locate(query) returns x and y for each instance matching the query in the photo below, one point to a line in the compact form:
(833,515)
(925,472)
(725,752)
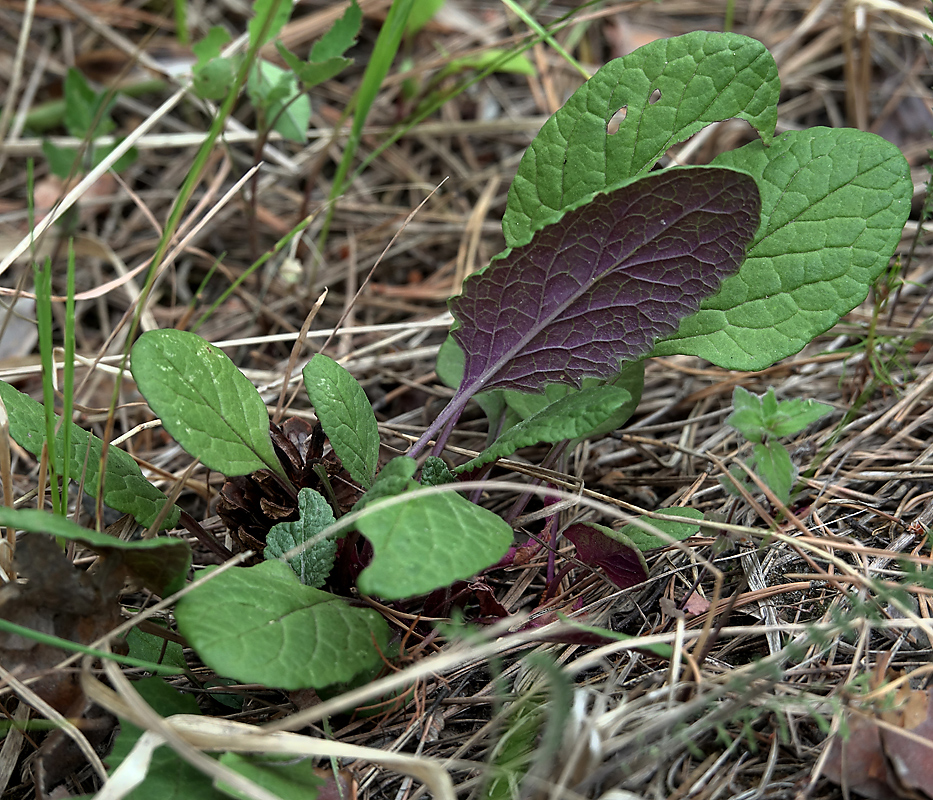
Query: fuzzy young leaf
(435,472)
(213,75)
(701,78)
(259,625)
(757,418)
(598,287)
(205,402)
(61,159)
(125,488)
(612,551)
(572,416)
(345,414)
(161,564)
(674,530)
(834,204)
(773,465)
(426,541)
(313,564)
(747,417)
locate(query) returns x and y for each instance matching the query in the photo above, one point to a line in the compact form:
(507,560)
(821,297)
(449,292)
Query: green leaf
(514,748)
(773,465)
(213,75)
(747,417)
(124,161)
(275,93)
(161,563)
(756,418)
(575,415)
(157,649)
(260,625)
(204,401)
(312,74)
(426,541)
(168,777)
(515,406)
(326,59)
(87,114)
(674,530)
(61,159)
(313,564)
(631,377)
(834,204)
(125,488)
(341,37)
(283,775)
(271,14)
(701,77)
(345,414)
(435,472)
(516,64)
(393,479)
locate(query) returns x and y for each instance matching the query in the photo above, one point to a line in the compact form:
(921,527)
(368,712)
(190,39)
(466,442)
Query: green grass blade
(43,277)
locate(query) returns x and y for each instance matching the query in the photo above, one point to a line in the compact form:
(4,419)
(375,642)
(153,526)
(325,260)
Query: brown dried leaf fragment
(889,753)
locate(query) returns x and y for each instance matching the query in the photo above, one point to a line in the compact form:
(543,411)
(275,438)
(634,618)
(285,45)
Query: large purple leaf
(598,287)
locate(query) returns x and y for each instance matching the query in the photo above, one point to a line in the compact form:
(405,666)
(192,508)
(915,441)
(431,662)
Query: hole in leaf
(615,121)
(654,97)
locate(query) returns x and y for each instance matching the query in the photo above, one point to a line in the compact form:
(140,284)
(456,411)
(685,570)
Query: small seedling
(762,420)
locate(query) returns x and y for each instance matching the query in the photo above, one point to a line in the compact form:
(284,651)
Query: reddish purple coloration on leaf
(601,285)
(606,549)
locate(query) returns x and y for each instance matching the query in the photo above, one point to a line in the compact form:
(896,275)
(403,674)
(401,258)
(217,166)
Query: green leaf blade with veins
(670,88)
(274,92)
(161,564)
(125,488)
(834,204)
(772,463)
(213,75)
(209,407)
(260,625)
(422,542)
(313,564)
(345,414)
(679,531)
(573,416)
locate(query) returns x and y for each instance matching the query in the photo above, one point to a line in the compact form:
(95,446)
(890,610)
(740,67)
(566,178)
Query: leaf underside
(601,285)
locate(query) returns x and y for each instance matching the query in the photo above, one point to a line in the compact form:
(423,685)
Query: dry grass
(792,614)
